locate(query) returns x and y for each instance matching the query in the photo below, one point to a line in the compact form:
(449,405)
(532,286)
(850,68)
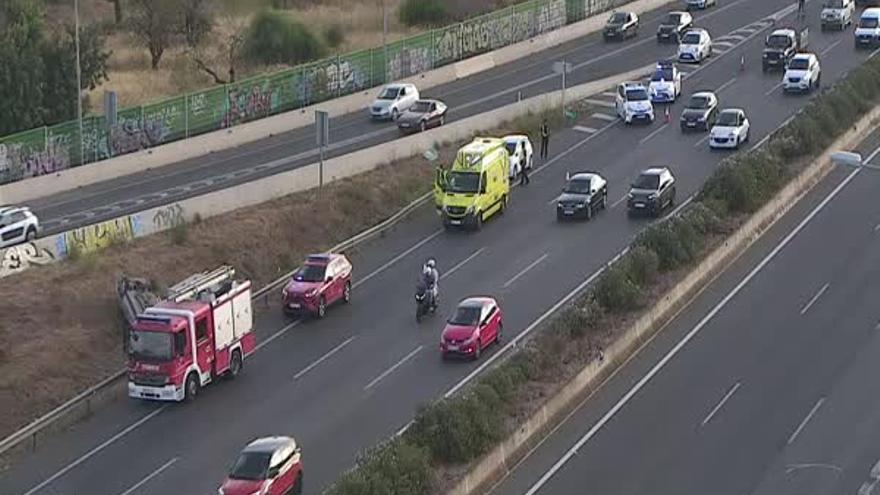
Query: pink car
(476,324)
(267,466)
(324,279)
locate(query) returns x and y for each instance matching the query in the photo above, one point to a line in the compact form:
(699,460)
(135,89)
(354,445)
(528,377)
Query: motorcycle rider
(432,278)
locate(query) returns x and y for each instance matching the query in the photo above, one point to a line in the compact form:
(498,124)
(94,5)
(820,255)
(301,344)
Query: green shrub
(458,430)
(642,265)
(397,468)
(582,318)
(334,35)
(274,37)
(616,292)
(423,13)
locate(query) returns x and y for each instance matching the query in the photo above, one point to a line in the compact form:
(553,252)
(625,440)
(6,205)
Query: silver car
(17,224)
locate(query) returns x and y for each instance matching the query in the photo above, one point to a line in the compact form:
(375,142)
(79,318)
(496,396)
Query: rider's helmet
(430,263)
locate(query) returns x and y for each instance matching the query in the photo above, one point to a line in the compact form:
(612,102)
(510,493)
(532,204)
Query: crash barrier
(223,117)
(167,217)
(512,450)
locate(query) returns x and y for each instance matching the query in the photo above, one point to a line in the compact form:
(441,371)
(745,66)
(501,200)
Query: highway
(592,58)
(342,384)
(765,385)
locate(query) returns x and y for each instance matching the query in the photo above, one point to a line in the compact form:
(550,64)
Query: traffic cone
(742,63)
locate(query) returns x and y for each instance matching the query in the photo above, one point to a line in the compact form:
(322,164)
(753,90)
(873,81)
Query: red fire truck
(203,330)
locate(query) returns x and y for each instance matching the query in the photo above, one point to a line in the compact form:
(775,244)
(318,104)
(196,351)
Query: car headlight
(701,118)
(311,293)
(765,55)
(560,205)
(469,210)
(630,195)
(653,195)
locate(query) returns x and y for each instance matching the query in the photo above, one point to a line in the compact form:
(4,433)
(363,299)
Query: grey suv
(651,192)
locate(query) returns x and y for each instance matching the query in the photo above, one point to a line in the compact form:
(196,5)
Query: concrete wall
(26,190)
(513,449)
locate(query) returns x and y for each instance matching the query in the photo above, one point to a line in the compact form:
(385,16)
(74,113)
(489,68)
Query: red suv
(268,466)
(322,280)
(476,324)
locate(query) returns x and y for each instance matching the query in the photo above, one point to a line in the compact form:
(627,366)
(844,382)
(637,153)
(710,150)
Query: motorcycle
(424,304)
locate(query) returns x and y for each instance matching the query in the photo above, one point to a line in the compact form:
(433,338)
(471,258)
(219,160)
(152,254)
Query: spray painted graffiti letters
(18,161)
(97,236)
(247,104)
(23,256)
(168,217)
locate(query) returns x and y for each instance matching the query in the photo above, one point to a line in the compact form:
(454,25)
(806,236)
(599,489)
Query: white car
(633,103)
(867,33)
(700,4)
(803,73)
(730,130)
(17,225)
(393,101)
(695,46)
(519,148)
(837,13)
(665,85)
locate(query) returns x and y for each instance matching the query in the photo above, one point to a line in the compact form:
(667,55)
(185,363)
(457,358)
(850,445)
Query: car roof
(871,12)
(427,100)
(323,259)
(476,301)
(584,175)
(679,12)
(696,30)
(399,85)
(785,31)
(704,92)
(268,445)
(515,137)
(803,56)
(732,109)
(655,170)
(11,209)
(633,85)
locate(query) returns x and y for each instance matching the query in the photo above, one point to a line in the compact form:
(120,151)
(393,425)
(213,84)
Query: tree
(59,56)
(21,65)
(156,23)
(233,41)
(117,10)
(197,20)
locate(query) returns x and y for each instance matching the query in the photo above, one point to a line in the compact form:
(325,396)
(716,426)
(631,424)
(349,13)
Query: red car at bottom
(322,280)
(267,466)
(475,325)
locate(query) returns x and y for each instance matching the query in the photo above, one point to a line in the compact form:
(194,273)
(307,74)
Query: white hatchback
(393,101)
(695,46)
(803,73)
(730,130)
(17,225)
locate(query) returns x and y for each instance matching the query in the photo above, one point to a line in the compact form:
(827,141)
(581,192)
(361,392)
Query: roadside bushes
(274,37)
(427,13)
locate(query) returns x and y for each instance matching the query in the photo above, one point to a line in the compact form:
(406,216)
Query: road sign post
(322,135)
(562,68)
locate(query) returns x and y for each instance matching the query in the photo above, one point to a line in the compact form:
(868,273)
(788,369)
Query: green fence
(50,149)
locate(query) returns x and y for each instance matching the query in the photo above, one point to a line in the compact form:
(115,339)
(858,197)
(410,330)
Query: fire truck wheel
(235,365)
(192,388)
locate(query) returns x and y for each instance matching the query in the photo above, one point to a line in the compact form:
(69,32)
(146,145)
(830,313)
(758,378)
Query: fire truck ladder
(210,282)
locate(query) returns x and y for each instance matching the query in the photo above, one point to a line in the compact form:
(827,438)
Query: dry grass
(60,326)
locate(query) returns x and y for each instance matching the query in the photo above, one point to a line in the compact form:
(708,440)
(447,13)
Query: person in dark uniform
(524,176)
(545,139)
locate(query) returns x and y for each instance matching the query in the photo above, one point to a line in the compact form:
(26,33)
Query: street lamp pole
(79,111)
(384,43)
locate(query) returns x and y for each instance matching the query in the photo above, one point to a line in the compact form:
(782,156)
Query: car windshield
(466,316)
(778,41)
(464,182)
(672,19)
(799,64)
(153,346)
(421,107)
(662,74)
(389,94)
(578,186)
(691,39)
(310,273)
(637,94)
(698,102)
(833,4)
(647,181)
(251,466)
(511,147)
(728,118)
(868,22)
(617,18)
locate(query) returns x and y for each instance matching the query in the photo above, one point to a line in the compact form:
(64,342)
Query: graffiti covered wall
(97,236)
(23,256)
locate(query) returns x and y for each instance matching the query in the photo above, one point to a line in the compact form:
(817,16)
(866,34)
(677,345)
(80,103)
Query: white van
(868,31)
(837,13)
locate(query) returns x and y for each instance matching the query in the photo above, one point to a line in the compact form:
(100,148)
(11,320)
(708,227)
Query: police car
(633,103)
(665,85)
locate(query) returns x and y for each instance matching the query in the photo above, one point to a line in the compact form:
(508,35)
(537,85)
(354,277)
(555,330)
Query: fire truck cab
(201,331)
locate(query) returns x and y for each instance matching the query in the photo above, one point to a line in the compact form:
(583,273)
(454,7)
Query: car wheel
(322,307)
(589,211)
(672,198)
(235,364)
(191,388)
(394,114)
(503,206)
(500,332)
(31,234)
(478,220)
(605,200)
(442,120)
(346,293)
(423,126)
(478,349)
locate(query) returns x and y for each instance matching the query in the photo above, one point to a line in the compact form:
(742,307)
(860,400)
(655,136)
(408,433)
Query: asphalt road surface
(593,59)
(342,384)
(766,384)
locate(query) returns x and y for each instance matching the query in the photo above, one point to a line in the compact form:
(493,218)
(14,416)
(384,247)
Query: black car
(584,192)
(621,25)
(652,192)
(422,115)
(700,112)
(673,26)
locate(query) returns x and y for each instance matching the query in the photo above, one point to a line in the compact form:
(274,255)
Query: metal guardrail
(31,431)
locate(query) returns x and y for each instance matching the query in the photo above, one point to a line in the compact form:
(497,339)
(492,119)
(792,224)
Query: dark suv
(651,192)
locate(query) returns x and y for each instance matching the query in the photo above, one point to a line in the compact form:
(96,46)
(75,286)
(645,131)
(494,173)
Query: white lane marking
(524,271)
(736,37)
(611,94)
(323,358)
(621,200)
(687,338)
(679,207)
(599,103)
(723,44)
(604,116)
(88,455)
(721,403)
(773,89)
(652,134)
(397,258)
(795,467)
(582,128)
(877,227)
(718,51)
(829,48)
(725,85)
(875,52)
(404,428)
(275,335)
(462,263)
(806,420)
(702,140)
(396,365)
(152,475)
(571,149)
(767,137)
(532,326)
(814,299)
